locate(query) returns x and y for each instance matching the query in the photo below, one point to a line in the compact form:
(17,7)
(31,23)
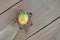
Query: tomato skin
(23,18)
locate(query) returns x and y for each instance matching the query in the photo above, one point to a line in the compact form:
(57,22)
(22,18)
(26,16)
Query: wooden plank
(8,16)
(5,4)
(43,14)
(51,32)
(44,11)
(20,35)
(9,32)
(6,19)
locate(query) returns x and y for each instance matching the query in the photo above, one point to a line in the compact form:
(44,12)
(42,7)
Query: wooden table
(46,17)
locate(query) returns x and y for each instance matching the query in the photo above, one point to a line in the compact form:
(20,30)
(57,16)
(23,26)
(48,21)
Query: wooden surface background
(46,13)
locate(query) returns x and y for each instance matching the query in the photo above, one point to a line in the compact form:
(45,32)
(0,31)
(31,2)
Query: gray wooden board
(7,30)
(51,32)
(5,4)
(44,11)
(9,15)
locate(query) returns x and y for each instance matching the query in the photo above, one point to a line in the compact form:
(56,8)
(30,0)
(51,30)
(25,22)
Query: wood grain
(7,18)
(51,32)
(44,11)
(5,4)
(7,31)
(9,15)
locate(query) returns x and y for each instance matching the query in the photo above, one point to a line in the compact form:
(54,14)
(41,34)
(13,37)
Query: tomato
(23,18)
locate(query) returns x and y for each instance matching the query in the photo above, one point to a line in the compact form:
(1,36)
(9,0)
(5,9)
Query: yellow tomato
(23,18)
